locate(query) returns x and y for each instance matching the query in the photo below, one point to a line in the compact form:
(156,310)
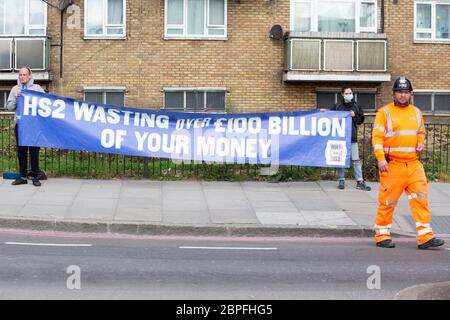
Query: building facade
(229,55)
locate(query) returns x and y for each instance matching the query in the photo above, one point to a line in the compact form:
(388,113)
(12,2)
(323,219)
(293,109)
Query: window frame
(10,54)
(27,25)
(315,14)
(204,91)
(44,56)
(206,25)
(104,91)
(105,24)
(432,94)
(5,94)
(431,30)
(330,69)
(338,95)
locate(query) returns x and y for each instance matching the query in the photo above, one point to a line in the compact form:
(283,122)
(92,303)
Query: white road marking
(49,244)
(227,248)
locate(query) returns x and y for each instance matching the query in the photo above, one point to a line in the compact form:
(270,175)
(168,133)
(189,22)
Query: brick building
(220,55)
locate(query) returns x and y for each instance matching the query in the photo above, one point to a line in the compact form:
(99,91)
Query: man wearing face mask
(348,104)
(397,138)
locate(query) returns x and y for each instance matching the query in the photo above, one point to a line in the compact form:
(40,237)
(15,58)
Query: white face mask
(348,97)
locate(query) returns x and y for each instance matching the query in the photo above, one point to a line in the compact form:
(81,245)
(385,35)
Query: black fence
(59,162)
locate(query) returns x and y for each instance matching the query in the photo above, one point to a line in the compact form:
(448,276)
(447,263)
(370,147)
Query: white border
(105,24)
(303,40)
(16,67)
(315,14)
(325,52)
(206,26)
(385,55)
(431,30)
(10,52)
(26,21)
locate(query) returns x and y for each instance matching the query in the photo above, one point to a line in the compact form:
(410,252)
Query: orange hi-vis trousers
(408,177)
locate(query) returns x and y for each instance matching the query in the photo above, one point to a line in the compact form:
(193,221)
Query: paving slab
(130,214)
(43,211)
(233,216)
(206,207)
(89,213)
(281,218)
(187,217)
(271,206)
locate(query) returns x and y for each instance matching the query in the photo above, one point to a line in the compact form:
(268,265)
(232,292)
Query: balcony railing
(312,56)
(16,52)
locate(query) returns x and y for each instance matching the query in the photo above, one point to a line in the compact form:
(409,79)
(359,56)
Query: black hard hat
(402,84)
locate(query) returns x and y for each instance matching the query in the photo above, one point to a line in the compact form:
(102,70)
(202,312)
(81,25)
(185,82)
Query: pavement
(208,208)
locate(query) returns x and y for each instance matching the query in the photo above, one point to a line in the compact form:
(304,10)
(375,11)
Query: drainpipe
(61,47)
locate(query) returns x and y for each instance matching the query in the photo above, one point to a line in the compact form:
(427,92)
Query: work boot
(36,182)
(432,243)
(361,185)
(19,180)
(341,184)
(386,244)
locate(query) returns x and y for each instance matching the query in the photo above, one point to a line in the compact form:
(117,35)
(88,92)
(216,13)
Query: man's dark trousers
(22,154)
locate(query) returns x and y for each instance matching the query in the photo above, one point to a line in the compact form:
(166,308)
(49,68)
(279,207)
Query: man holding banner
(25,81)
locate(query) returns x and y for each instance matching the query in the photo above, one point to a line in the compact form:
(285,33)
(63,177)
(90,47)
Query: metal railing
(59,162)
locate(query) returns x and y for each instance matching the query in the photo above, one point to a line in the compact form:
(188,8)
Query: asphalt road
(43,265)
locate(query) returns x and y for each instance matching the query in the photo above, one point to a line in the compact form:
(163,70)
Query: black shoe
(434,242)
(361,185)
(386,244)
(36,182)
(341,184)
(19,180)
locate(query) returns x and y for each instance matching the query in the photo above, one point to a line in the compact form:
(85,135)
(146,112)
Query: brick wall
(425,64)
(249,64)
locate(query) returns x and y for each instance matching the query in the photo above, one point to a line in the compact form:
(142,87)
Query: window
(432,20)
(3,99)
(196,18)
(327,99)
(105,18)
(23,17)
(30,52)
(432,101)
(190,100)
(333,15)
(115,97)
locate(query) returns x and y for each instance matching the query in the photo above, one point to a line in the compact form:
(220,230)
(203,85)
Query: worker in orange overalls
(397,138)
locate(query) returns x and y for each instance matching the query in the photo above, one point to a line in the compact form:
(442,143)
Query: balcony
(336,57)
(16,52)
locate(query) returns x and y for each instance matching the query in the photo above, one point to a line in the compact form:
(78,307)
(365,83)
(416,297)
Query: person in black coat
(348,104)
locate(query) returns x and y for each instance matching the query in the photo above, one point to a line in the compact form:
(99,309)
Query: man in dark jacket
(348,104)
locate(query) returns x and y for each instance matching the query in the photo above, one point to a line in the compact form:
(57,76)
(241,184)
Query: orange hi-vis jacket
(396,133)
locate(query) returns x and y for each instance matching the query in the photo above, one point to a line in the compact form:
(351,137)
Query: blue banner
(308,138)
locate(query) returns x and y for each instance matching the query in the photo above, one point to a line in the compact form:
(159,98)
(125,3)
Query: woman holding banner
(348,104)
